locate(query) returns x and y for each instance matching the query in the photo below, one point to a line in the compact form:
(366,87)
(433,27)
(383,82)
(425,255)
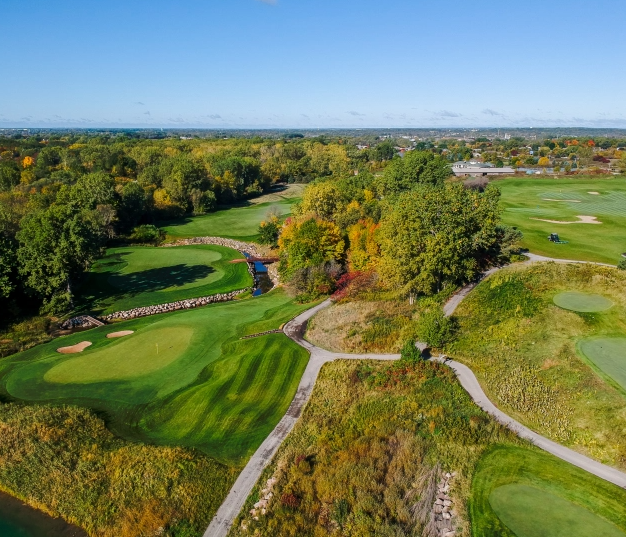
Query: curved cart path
(294,329)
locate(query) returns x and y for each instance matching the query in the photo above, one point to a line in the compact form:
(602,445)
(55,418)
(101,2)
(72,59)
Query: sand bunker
(594,193)
(79,347)
(121,333)
(569,201)
(581,220)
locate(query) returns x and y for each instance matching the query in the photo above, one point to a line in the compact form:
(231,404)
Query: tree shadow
(158,279)
(102,288)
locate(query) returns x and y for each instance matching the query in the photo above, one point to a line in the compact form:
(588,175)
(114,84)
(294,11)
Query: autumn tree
(323,199)
(432,237)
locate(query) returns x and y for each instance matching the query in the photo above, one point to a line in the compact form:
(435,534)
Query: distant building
(479,169)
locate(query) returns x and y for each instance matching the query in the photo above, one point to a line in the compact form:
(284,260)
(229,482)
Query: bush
(435,328)
(622,264)
(410,352)
(269,231)
(147,234)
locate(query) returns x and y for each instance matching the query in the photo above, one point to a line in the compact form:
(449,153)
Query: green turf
(526,492)
(206,388)
(239,223)
(608,354)
(583,302)
(532,512)
(131,277)
(525,199)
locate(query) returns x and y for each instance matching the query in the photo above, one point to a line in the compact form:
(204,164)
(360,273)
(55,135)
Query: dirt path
(294,329)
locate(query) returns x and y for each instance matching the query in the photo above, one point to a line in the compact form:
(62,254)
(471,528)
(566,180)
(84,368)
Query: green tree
(410,352)
(417,167)
(435,329)
(323,199)
(431,237)
(131,205)
(56,246)
(7,266)
(9,174)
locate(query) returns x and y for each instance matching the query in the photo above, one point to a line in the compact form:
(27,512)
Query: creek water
(19,520)
(262,281)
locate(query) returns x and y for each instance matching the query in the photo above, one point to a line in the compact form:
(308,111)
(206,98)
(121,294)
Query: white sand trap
(121,333)
(569,201)
(581,220)
(594,193)
(79,347)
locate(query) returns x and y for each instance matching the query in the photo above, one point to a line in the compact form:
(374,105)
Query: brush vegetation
(65,462)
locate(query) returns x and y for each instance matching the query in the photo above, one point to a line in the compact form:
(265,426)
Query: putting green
(133,357)
(531,512)
(582,302)
(608,354)
(127,278)
(525,492)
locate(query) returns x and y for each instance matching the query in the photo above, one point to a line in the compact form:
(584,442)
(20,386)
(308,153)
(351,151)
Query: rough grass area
(364,456)
(132,277)
(363,326)
(520,492)
(65,462)
(523,349)
(547,198)
(608,355)
(239,223)
(201,387)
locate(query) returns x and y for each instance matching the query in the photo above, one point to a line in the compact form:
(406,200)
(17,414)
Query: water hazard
(262,281)
(20,520)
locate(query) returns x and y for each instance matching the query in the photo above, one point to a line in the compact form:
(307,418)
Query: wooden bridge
(264,260)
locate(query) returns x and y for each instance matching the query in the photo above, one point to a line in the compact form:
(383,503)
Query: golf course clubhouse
(479,169)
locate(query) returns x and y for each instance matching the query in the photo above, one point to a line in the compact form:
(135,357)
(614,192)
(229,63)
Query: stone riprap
(174,306)
(82,321)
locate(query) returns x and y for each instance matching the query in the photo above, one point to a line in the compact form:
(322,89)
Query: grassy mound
(64,461)
(205,388)
(131,277)
(239,223)
(528,493)
(531,512)
(523,349)
(584,302)
(608,355)
(563,200)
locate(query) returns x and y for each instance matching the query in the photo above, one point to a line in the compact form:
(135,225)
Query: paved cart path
(294,329)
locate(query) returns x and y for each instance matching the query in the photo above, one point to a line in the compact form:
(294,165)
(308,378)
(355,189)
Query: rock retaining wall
(82,321)
(173,306)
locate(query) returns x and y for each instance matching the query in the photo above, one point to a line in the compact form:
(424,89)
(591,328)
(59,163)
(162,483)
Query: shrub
(269,231)
(147,234)
(622,264)
(410,352)
(435,328)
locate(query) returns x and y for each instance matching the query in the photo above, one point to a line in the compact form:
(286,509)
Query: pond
(19,520)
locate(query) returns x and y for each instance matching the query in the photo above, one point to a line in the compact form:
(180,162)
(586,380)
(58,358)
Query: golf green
(521,491)
(202,387)
(583,302)
(532,512)
(132,277)
(608,354)
(240,223)
(528,201)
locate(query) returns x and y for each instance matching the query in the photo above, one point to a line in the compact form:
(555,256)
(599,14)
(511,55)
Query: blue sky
(305,63)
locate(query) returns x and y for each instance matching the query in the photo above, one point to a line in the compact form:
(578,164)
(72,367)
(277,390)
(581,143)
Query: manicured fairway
(525,492)
(131,277)
(523,200)
(608,354)
(583,302)
(239,223)
(203,387)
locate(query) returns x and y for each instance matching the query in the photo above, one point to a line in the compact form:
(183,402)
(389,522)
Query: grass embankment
(523,349)
(19,336)
(180,379)
(240,223)
(363,459)
(525,200)
(127,278)
(64,461)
